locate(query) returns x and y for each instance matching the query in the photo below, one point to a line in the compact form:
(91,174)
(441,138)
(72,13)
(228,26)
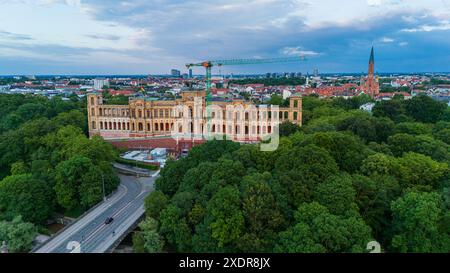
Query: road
(90,234)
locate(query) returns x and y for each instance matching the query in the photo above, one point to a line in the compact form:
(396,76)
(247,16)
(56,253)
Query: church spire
(372,58)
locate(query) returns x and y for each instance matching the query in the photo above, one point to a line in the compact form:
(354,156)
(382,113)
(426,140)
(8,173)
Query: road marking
(61,238)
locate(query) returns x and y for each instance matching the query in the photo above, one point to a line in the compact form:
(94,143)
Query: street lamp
(104,192)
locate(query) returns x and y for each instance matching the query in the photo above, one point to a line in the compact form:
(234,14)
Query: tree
(19,168)
(338,195)
(261,212)
(175,229)
(423,144)
(443,135)
(419,170)
(74,117)
(374,196)
(148,239)
(26,196)
(226,219)
(416,218)
(317,230)
(69,175)
(377,164)
(425,109)
(79,182)
(276,99)
(300,170)
(18,235)
(155,203)
(412,128)
(393,109)
(366,127)
(347,150)
(288,128)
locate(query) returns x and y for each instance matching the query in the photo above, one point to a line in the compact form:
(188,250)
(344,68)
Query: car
(184,153)
(109,220)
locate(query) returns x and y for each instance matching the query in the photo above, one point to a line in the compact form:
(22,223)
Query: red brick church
(370,85)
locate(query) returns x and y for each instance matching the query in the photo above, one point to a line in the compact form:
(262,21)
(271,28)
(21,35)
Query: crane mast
(209,64)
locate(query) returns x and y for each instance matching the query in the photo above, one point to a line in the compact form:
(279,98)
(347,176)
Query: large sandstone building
(148,118)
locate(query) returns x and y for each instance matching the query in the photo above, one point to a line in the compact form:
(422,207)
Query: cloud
(297,51)
(109,37)
(443,25)
(153,36)
(387,40)
(14,36)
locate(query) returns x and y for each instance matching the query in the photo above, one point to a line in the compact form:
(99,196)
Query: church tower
(371,86)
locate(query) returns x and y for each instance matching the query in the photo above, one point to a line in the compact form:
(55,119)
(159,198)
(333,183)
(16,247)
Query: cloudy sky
(153,36)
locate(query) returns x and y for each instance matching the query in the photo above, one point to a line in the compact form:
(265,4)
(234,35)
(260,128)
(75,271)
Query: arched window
(156,127)
(141,127)
(93,125)
(101,125)
(295,103)
(92,101)
(93,111)
(295,115)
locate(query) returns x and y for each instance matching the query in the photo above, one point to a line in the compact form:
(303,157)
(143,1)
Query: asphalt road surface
(90,234)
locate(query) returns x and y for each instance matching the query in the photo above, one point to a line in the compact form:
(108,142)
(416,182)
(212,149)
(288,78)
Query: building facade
(144,118)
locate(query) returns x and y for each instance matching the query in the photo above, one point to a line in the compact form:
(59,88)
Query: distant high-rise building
(175,73)
(190,73)
(268,75)
(371,86)
(100,83)
(316,72)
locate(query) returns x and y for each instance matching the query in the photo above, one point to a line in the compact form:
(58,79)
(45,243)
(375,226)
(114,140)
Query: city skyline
(73,37)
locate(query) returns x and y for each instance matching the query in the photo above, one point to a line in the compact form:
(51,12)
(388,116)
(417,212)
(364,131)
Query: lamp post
(103,185)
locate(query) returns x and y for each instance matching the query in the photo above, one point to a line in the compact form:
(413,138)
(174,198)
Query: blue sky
(153,36)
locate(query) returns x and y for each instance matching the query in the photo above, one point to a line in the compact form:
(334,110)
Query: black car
(109,221)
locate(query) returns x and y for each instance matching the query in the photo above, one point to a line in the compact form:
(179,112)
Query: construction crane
(208,65)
